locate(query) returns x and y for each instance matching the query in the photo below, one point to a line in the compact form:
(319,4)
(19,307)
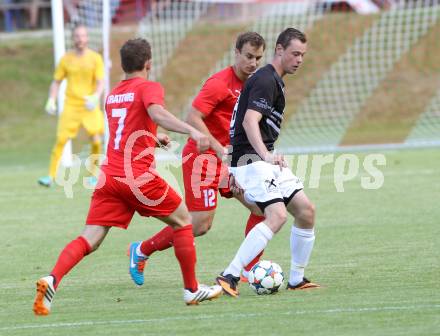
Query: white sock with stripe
(255,242)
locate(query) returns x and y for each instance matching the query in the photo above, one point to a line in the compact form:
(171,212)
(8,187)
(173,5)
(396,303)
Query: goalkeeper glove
(51,106)
(91,101)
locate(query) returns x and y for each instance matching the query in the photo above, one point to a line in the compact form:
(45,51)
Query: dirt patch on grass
(395,106)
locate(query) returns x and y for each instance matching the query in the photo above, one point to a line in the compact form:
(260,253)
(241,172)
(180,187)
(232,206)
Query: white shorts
(265,183)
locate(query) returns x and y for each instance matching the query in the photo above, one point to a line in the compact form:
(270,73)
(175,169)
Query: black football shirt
(264,93)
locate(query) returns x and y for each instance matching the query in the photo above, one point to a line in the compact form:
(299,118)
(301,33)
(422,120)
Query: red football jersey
(132,133)
(216,101)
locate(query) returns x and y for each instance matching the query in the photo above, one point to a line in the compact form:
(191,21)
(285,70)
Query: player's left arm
(195,119)
(213,92)
(260,104)
(59,74)
(99,87)
(99,76)
(92,101)
(152,97)
(251,126)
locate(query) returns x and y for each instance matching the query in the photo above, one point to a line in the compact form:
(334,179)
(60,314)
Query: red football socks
(160,241)
(252,221)
(185,252)
(69,257)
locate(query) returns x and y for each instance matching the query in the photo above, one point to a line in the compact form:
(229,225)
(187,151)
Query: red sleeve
(212,92)
(153,93)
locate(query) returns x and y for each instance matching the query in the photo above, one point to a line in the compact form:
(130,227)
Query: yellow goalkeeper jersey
(81,73)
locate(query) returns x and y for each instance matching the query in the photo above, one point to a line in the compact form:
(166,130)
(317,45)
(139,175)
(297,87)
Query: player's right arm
(53,89)
(210,95)
(168,121)
(260,104)
(93,100)
(51,106)
(195,119)
(251,126)
(60,74)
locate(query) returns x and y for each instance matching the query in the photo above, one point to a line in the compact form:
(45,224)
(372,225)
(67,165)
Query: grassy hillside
(328,40)
(25,76)
(194,58)
(387,115)
(397,103)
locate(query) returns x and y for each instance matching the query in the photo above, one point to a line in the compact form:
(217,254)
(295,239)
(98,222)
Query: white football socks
(301,246)
(252,245)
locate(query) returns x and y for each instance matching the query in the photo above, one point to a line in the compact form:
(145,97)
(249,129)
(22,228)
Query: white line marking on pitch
(217,316)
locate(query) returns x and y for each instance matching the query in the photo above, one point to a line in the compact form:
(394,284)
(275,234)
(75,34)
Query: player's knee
(310,214)
(276,219)
(306,216)
(185,219)
(180,217)
(201,224)
(180,220)
(281,217)
(201,230)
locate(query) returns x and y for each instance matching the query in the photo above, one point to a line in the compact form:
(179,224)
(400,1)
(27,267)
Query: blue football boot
(137,264)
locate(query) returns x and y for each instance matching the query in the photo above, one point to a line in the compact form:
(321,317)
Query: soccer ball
(265,277)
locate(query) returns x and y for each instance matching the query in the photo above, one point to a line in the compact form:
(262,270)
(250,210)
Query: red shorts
(114,204)
(203,175)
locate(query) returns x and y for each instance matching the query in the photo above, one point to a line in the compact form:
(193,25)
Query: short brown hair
(134,53)
(288,35)
(253,38)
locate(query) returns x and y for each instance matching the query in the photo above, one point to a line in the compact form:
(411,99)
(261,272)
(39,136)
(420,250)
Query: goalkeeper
(84,71)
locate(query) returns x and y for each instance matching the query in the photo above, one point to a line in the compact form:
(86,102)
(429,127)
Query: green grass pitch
(377,255)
